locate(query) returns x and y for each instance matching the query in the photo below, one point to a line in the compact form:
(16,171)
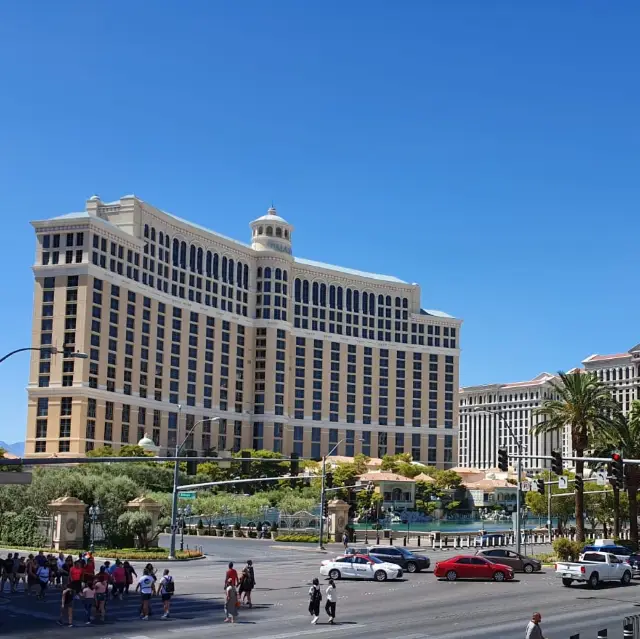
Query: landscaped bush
(567,550)
(300,538)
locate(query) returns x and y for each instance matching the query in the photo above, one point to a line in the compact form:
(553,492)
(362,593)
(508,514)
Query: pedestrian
(76,574)
(250,582)
(166,589)
(231,602)
(119,577)
(332,598)
(60,571)
(147,588)
(100,590)
(131,573)
(533,628)
(22,574)
(66,608)
(43,573)
(232,574)
(345,540)
(315,597)
(88,598)
(32,578)
(16,565)
(7,572)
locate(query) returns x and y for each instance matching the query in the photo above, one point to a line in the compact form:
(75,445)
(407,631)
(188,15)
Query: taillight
(555,566)
(582,570)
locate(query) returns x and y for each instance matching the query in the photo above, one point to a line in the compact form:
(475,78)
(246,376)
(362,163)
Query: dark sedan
(411,562)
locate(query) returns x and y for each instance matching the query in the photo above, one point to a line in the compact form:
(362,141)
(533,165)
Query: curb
(312,550)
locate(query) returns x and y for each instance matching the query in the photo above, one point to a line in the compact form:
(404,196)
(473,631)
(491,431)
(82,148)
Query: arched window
(267,272)
(305,292)
(176,252)
(269,230)
(398,302)
(278,231)
(215,266)
(260,230)
(286,234)
(183,255)
(285,276)
(278,274)
(208,263)
(153,234)
(297,288)
(405,302)
(315,293)
(340,297)
(348,299)
(356,302)
(192,258)
(224,269)
(372,304)
(332,296)
(146,230)
(388,300)
(380,300)
(365,303)
(199,262)
(239,274)
(246,276)
(230,268)
(166,241)
(161,238)
(323,294)
(259,273)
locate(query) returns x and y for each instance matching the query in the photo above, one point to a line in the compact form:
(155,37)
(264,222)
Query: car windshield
(375,560)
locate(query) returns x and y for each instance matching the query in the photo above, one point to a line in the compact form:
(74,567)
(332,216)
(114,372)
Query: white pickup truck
(594,568)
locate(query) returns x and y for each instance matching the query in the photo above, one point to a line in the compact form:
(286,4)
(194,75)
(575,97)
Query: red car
(471,567)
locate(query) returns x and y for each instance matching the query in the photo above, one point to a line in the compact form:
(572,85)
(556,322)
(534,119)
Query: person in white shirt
(332,598)
(147,588)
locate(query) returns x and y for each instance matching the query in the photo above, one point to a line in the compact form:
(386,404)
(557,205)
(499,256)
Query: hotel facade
(181,324)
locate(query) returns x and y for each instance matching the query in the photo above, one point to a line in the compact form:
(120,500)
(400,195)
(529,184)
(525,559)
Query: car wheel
(528,568)
(452,575)
(498,576)
(411,567)
(380,575)
(626,578)
(334,574)
(567,582)
(594,580)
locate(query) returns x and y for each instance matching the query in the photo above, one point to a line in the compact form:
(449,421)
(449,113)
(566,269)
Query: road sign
(526,486)
(601,478)
(562,482)
(189,495)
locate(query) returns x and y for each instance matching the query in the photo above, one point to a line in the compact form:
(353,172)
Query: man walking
(533,629)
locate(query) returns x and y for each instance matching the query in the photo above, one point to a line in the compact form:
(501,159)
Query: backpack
(317,595)
(169,586)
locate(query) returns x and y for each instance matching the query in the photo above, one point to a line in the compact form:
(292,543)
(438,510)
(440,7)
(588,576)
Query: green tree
(102,451)
(585,405)
(623,436)
(138,525)
(390,462)
(561,507)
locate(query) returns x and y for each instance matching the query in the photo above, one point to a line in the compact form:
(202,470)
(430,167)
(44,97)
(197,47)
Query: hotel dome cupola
(270,232)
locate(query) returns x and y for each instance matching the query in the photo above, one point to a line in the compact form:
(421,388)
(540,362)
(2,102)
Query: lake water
(462,527)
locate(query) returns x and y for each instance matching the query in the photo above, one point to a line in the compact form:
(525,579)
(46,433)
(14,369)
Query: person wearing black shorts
(66,608)
(166,589)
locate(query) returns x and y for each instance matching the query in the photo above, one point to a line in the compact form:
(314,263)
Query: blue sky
(487,150)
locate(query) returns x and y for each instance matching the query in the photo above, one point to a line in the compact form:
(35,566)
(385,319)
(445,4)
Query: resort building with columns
(182,324)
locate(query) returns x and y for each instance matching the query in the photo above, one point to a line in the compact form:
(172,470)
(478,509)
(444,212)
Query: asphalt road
(417,607)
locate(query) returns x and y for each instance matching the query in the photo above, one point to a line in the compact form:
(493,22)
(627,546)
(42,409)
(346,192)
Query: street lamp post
(50,349)
(519,448)
(322,494)
(176,478)
(183,513)
(94,513)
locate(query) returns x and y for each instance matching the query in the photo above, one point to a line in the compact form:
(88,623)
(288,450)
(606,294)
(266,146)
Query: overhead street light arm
(51,349)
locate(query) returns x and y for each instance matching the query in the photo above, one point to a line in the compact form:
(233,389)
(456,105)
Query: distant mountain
(15,449)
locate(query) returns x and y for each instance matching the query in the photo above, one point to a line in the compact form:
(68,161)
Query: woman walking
(88,598)
(131,573)
(332,598)
(231,602)
(167,588)
(315,597)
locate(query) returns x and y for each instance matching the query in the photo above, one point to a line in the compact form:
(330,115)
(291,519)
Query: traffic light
(503,460)
(295,465)
(618,469)
(328,480)
(556,462)
(578,484)
(245,468)
(540,486)
(325,509)
(192,466)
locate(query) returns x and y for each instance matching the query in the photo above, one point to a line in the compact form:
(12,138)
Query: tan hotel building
(182,324)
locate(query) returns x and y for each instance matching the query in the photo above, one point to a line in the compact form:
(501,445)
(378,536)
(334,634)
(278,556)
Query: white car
(359,567)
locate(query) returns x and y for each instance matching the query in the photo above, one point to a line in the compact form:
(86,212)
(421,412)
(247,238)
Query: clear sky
(489,151)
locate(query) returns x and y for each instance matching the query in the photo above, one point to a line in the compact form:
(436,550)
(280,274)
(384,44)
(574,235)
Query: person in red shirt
(232,574)
(75,577)
(119,577)
(89,568)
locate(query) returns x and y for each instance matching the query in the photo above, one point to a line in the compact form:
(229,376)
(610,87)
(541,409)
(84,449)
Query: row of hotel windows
(51,245)
(271,294)
(489,399)
(183,284)
(616,374)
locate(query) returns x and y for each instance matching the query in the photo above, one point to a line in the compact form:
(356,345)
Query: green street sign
(190,495)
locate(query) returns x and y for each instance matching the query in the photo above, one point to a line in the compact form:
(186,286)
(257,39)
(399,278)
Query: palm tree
(623,436)
(583,404)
